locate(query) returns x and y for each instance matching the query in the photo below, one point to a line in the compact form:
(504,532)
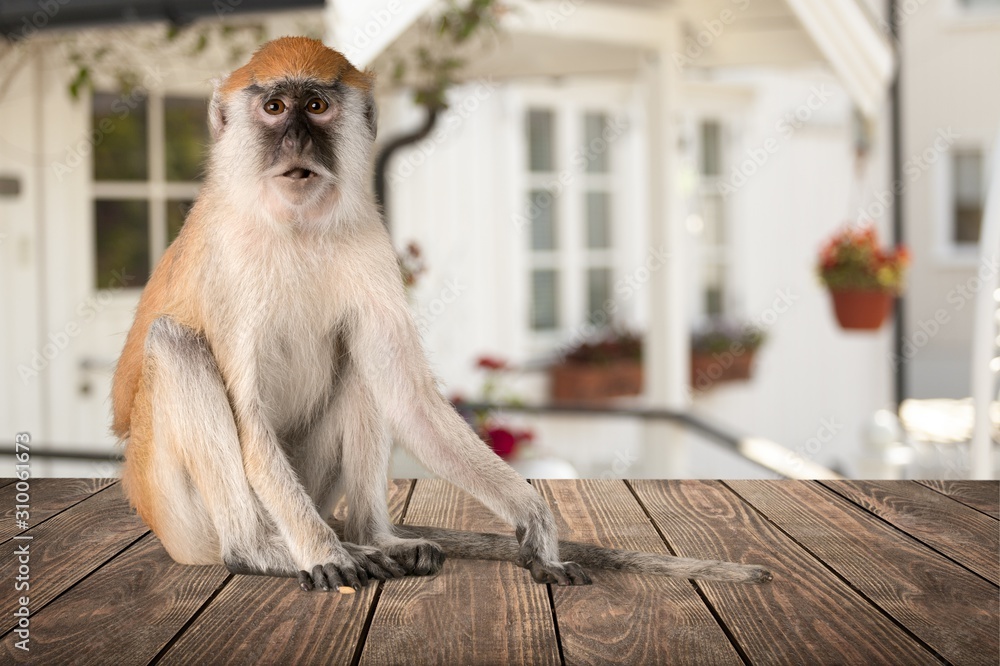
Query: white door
(130,175)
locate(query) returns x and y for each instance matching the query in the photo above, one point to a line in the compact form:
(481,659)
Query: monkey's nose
(296,141)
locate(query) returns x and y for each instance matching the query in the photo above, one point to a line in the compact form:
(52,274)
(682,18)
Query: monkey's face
(297,138)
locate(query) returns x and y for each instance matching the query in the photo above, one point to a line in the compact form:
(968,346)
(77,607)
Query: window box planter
(572,381)
(707,370)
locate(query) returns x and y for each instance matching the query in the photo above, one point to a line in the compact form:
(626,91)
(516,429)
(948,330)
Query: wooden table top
(865,572)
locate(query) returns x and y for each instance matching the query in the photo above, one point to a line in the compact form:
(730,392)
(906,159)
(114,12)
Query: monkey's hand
(419,557)
(546,569)
(354,567)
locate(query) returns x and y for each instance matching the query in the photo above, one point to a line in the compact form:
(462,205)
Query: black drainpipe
(384,155)
(898,232)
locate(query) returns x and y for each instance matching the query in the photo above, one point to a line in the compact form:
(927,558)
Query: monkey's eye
(274,107)
(317,105)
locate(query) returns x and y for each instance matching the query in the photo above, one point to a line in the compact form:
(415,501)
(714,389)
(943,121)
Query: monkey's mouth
(299,173)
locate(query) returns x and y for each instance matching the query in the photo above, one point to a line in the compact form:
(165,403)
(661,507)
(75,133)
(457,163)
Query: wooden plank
(270,620)
(981,495)
(960,532)
(124,613)
(47,497)
(948,607)
(6,481)
(627,618)
(68,547)
(805,613)
(474,612)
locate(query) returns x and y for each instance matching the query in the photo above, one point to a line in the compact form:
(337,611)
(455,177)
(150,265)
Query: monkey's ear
(216,114)
(371,115)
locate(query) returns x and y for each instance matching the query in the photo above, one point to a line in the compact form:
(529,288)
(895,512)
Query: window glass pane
(122,242)
(544,299)
(598,294)
(119,135)
(713,219)
(711,148)
(176,213)
(713,281)
(543,223)
(186,127)
(541,140)
(969,195)
(596,146)
(598,205)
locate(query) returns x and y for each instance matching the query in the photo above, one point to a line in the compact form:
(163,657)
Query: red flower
(491,363)
(502,441)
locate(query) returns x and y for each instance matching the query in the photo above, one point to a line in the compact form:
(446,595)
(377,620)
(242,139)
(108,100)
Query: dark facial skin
(297,130)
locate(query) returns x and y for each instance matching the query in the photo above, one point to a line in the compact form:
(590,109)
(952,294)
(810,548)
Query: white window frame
(947,253)
(570,102)
(156,190)
(728,105)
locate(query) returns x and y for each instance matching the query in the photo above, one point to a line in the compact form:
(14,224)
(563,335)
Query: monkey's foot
(418,557)
(560,573)
(364,563)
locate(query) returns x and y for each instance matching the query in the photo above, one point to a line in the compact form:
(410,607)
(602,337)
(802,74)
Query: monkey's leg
(366,450)
(183,468)
(192,421)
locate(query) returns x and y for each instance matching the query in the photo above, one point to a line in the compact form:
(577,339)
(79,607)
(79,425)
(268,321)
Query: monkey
(273,361)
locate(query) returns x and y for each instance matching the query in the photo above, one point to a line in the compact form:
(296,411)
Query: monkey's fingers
(559,573)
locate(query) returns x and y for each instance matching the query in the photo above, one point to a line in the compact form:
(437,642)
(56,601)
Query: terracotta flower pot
(861,309)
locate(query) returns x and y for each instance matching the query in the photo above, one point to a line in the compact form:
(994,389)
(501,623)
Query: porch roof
(608,37)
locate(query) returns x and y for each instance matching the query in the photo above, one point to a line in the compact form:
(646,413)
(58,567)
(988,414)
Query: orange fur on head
(295,57)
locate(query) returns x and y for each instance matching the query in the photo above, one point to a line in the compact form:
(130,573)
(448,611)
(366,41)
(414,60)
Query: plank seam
(60,511)
(740,652)
(837,574)
(902,531)
(552,603)
(359,647)
(191,620)
(955,499)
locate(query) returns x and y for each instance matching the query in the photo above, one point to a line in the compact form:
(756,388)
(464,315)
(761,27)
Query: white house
(659,162)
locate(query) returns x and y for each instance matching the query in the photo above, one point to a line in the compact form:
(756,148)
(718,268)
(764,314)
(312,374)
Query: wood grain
(981,495)
(473,612)
(258,619)
(68,547)
(124,613)
(958,531)
(6,481)
(627,618)
(47,497)
(944,604)
(805,615)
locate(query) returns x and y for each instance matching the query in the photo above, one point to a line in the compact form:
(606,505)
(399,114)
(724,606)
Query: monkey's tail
(483,546)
